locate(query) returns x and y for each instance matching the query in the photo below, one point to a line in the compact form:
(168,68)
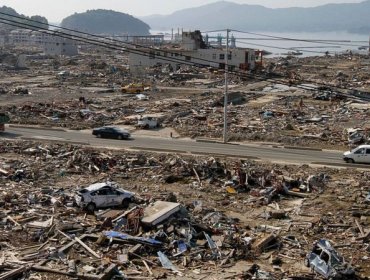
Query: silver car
(102,195)
(324,260)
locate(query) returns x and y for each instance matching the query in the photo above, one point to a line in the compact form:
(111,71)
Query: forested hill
(106,22)
(31,24)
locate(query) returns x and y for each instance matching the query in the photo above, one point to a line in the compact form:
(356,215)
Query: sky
(56,10)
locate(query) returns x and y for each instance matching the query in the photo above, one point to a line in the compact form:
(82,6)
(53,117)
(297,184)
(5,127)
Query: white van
(361,154)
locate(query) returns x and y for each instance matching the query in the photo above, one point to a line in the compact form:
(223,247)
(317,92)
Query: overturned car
(324,260)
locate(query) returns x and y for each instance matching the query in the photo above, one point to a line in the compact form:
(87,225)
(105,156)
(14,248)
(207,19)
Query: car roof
(364,146)
(98,186)
(114,127)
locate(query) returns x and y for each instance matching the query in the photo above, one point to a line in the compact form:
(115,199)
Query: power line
(141,52)
(135,51)
(278,39)
(293,39)
(103,44)
(98,42)
(106,38)
(281,48)
(115,47)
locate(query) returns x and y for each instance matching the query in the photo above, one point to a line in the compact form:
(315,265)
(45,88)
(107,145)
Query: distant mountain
(106,22)
(353,17)
(36,24)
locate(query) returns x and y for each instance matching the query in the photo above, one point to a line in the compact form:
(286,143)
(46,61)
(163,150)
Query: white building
(193,50)
(20,37)
(49,41)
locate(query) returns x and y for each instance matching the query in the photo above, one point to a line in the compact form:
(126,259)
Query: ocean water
(307,43)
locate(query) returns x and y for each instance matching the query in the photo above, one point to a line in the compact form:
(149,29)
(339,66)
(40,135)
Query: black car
(111,132)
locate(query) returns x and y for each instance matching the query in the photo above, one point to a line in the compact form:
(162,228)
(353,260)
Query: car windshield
(358,150)
(336,259)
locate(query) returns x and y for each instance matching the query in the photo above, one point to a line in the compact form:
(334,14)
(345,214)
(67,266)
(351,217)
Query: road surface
(161,144)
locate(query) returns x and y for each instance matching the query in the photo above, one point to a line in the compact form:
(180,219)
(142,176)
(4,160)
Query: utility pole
(226,85)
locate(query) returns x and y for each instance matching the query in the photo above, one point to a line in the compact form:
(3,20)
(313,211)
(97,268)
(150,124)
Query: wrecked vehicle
(102,195)
(132,88)
(356,136)
(147,122)
(324,260)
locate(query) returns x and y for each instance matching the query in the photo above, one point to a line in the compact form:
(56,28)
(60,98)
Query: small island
(106,22)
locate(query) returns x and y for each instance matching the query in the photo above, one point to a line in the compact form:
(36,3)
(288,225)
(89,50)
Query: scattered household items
(175,214)
(158,212)
(182,216)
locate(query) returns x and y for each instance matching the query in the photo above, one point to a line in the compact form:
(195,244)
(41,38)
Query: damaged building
(49,41)
(192,49)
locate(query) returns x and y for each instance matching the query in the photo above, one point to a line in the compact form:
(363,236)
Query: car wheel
(120,137)
(306,262)
(126,202)
(91,207)
(98,135)
(350,160)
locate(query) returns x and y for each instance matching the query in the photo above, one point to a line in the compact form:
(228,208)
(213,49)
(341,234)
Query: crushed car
(324,260)
(103,195)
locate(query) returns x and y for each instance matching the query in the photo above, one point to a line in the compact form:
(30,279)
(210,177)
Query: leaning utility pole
(226,84)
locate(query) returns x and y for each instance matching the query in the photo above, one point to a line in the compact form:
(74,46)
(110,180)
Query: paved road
(140,142)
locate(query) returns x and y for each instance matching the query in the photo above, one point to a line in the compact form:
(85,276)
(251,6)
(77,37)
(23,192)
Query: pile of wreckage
(288,120)
(46,225)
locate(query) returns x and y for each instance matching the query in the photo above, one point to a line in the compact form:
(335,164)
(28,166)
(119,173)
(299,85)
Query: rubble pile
(196,217)
(49,92)
(341,70)
(288,120)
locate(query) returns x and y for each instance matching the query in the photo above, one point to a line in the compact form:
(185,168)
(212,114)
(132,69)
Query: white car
(361,154)
(102,195)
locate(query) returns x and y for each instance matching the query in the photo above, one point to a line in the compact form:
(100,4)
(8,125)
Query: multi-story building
(192,50)
(49,41)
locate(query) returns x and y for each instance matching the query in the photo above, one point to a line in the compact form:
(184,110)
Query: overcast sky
(56,10)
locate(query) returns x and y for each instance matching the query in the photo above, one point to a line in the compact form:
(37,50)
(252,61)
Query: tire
(350,160)
(123,91)
(120,137)
(138,91)
(306,262)
(98,135)
(91,207)
(126,202)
